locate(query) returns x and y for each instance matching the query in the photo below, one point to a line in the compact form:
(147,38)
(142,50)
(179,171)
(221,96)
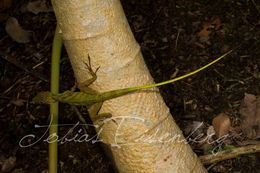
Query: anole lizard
(91,98)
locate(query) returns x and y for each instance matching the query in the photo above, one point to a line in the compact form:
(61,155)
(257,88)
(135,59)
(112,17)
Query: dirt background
(175,37)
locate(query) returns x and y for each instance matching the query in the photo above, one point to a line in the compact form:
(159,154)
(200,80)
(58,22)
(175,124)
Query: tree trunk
(143,136)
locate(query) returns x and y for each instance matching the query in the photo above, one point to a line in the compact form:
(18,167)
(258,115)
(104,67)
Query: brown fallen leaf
(221,124)
(250,115)
(5,4)
(195,128)
(211,131)
(18,102)
(8,164)
(37,7)
(208,27)
(16,32)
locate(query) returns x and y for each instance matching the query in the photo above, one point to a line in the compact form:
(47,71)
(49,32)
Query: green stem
(54,107)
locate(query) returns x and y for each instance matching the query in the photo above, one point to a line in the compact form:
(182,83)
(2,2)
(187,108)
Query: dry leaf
(16,32)
(221,124)
(17,102)
(8,164)
(250,114)
(211,131)
(208,27)
(37,7)
(195,128)
(5,4)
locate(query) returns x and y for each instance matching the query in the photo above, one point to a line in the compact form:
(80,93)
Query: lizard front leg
(84,86)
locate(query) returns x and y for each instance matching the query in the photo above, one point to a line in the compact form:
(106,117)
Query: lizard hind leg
(98,119)
(93,111)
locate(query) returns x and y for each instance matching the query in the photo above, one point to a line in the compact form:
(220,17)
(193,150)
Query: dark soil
(168,34)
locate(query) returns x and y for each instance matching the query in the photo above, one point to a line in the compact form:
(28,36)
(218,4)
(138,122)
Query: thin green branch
(54,107)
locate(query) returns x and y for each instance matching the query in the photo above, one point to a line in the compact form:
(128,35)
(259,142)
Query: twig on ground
(229,154)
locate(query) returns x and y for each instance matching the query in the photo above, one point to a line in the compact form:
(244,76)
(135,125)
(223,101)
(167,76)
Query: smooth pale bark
(146,139)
